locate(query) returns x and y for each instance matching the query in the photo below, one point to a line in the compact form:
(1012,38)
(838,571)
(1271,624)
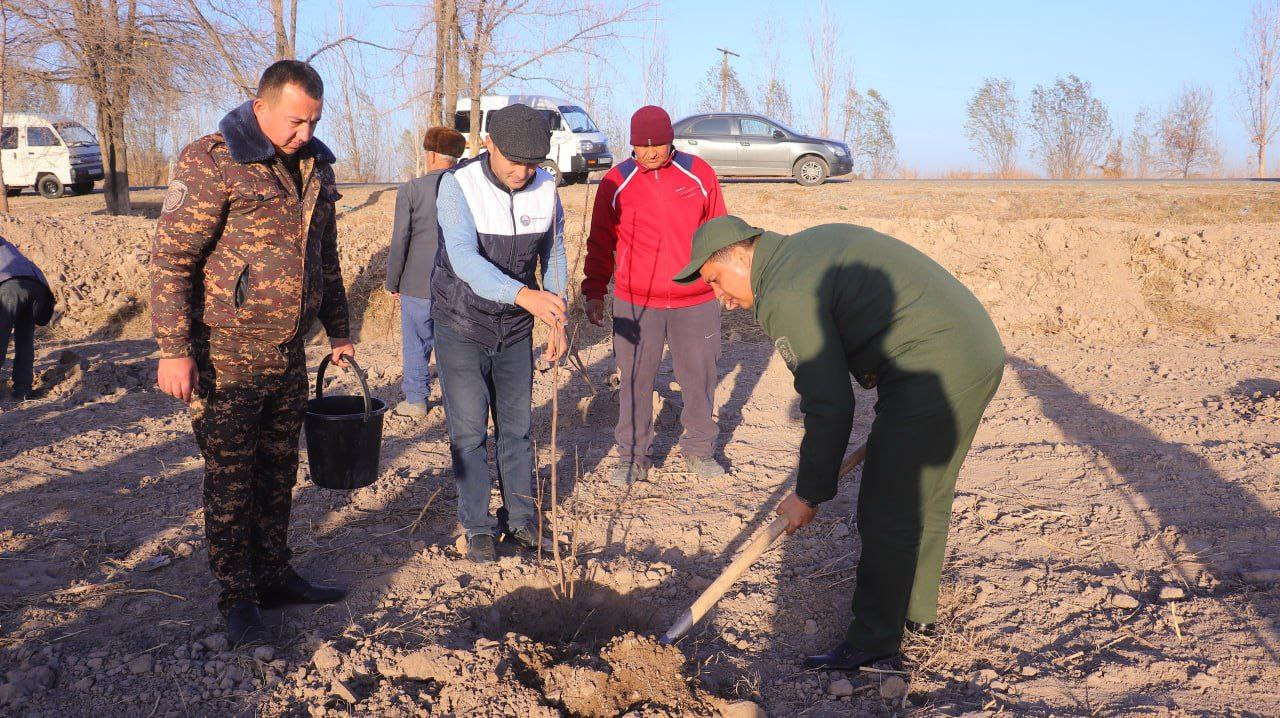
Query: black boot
(844,658)
(928,630)
(295,589)
(244,624)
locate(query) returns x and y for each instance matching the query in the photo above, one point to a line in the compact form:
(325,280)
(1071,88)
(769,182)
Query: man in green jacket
(841,300)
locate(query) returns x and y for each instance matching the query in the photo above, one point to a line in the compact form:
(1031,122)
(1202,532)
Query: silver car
(737,144)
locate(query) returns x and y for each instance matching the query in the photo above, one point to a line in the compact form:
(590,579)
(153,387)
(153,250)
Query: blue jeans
(417,336)
(475,382)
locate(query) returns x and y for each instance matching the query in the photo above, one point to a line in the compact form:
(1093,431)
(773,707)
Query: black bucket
(344,434)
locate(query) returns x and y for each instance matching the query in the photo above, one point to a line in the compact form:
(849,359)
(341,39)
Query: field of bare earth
(1115,547)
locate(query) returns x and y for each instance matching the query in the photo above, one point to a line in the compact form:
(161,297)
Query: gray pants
(639,336)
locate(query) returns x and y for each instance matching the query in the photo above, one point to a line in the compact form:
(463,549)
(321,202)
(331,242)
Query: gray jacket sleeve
(401,230)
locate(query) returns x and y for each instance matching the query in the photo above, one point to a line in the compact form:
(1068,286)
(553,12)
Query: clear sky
(927,58)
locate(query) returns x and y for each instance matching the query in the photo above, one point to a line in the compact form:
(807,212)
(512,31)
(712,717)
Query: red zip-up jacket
(643,224)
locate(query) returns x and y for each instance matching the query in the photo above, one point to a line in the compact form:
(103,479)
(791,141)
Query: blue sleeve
(555,266)
(459,230)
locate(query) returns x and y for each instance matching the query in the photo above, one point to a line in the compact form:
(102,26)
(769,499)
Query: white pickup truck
(49,155)
(578,147)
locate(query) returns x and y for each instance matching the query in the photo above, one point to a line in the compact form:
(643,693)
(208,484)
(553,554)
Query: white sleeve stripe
(695,178)
(625,182)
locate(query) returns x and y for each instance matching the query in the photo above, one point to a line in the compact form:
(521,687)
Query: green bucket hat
(711,238)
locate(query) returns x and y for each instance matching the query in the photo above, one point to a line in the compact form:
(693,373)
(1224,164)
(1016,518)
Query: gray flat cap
(521,133)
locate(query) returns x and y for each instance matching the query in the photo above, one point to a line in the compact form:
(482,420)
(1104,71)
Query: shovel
(734,571)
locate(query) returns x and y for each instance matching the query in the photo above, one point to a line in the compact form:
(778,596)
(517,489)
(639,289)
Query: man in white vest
(501,222)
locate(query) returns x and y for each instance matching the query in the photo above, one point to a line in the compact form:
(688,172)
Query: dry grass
(1158,282)
(961,647)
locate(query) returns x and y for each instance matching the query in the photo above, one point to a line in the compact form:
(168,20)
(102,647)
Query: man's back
(415,237)
(893,307)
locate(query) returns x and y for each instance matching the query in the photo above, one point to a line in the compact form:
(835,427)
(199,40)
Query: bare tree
(4,82)
(824,44)
(1258,100)
(994,125)
(444,93)
(510,39)
(284,25)
(1185,133)
(879,149)
(231,30)
(110,49)
(1114,166)
(775,97)
(1141,147)
(852,112)
(1071,127)
(654,75)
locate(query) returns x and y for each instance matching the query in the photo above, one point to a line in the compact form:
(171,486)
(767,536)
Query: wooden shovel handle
(748,556)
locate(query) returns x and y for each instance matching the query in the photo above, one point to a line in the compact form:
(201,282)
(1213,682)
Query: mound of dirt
(630,674)
(97,267)
(1081,278)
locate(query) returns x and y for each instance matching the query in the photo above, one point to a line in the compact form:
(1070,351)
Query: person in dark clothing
(25,303)
(244,261)
(844,301)
(415,237)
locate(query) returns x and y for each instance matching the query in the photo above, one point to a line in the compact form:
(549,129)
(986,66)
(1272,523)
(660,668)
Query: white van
(578,147)
(49,155)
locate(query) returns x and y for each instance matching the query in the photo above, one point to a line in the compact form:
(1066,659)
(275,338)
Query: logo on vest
(524,219)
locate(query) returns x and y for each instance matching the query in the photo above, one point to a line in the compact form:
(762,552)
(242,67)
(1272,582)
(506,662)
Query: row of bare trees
(1072,133)
(140,63)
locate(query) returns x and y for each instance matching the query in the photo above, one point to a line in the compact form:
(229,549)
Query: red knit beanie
(651,125)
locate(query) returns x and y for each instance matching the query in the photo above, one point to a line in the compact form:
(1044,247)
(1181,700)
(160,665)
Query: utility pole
(724,78)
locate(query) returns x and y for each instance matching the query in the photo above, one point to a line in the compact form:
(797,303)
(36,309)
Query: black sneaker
(480,549)
(525,538)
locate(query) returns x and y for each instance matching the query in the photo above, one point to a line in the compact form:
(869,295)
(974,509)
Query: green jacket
(841,300)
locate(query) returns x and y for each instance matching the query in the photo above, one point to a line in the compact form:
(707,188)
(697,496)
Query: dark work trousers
(914,455)
(639,336)
(246,421)
(477,381)
(18,298)
(417,336)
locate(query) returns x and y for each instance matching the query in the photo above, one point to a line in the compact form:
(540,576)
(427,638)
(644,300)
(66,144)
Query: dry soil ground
(1113,549)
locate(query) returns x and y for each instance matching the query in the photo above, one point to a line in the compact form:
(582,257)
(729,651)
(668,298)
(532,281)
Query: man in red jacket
(642,226)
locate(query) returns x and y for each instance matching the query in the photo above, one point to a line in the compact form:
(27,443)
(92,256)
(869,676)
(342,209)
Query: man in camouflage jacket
(245,258)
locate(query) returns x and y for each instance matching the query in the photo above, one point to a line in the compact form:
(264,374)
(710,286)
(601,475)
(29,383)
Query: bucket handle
(364,384)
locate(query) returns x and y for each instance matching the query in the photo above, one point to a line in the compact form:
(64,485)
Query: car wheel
(810,170)
(553,169)
(50,187)
(82,187)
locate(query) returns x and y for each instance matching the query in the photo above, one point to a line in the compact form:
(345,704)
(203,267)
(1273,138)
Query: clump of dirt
(632,675)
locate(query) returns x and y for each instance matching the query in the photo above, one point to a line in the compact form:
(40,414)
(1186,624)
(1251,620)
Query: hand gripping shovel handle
(748,556)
